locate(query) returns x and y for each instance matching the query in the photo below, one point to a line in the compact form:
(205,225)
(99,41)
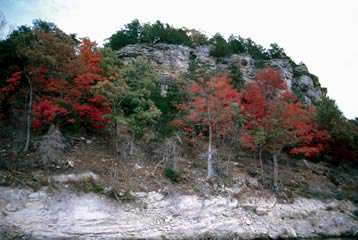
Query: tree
(255,50)
(254,111)
(131,93)
(277,120)
(329,116)
(220,47)
(342,144)
(210,112)
(51,78)
(236,44)
(236,77)
(41,50)
(86,103)
(130,34)
(137,103)
(69,87)
(275,51)
(158,32)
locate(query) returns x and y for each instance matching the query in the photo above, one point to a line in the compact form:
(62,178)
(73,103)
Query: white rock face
(173,60)
(68,215)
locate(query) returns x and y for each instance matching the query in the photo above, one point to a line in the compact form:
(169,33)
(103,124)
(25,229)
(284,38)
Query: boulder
(74,177)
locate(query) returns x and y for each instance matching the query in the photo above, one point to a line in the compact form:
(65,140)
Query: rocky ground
(44,214)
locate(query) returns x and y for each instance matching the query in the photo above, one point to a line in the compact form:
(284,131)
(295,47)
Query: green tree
(343,144)
(255,50)
(168,106)
(220,47)
(130,34)
(275,51)
(236,44)
(159,32)
(137,103)
(331,118)
(131,94)
(236,77)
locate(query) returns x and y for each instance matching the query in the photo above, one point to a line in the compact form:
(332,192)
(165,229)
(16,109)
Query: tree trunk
(173,158)
(261,164)
(28,115)
(116,141)
(211,171)
(131,146)
(275,172)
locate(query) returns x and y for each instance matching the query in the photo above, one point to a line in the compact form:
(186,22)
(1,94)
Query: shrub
(174,175)
(88,186)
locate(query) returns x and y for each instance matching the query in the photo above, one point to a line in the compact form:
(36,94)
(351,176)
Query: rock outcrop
(68,215)
(173,60)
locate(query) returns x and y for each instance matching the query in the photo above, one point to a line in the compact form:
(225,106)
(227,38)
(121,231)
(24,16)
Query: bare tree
(169,151)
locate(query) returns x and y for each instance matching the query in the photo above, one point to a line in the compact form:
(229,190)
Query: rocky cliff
(174,60)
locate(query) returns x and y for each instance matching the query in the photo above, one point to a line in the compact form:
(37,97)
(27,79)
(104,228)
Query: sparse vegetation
(158,32)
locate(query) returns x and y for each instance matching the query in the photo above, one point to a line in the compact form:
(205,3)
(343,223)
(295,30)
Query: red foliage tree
(275,120)
(11,84)
(94,111)
(51,77)
(309,140)
(76,94)
(89,65)
(90,108)
(46,112)
(211,110)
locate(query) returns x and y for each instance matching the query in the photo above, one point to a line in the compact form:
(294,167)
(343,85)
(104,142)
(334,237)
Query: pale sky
(321,33)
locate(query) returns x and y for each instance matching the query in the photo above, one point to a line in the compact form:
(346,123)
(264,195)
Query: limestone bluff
(173,60)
